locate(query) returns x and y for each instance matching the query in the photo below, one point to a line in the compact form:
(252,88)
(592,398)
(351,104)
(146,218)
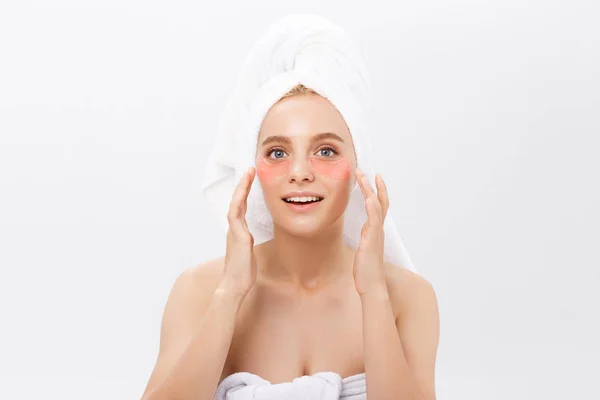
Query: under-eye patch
(267,170)
(338,169)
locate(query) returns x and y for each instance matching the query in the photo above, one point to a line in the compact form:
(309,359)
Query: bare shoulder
(405,287)
(188,299)
(206,274)
(198,281)
(192,292)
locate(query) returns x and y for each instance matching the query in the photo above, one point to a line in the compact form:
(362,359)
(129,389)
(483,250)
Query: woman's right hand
(240,263)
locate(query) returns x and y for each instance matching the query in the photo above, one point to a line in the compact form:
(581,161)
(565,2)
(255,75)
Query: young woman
(303,303)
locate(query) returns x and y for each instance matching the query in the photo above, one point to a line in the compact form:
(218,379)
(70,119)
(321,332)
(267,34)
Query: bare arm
(200,314)
(196,333)
(400,353)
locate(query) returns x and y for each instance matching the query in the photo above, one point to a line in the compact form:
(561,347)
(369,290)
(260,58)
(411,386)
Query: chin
(304,229)
(301,231)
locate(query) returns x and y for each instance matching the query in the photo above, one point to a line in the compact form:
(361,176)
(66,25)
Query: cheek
(268,171)
(339,169)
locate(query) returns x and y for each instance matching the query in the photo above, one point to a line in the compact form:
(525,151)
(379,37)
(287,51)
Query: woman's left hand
(369,274)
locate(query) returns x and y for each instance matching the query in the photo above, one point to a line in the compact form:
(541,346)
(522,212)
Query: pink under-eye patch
(338,169)
(266,170)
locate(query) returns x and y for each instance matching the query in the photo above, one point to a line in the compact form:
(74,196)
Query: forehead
(303,117)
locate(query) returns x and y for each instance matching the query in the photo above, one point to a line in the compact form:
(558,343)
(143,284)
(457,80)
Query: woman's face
(304,145)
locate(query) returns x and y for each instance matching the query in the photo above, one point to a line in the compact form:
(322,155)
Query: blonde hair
(298,90)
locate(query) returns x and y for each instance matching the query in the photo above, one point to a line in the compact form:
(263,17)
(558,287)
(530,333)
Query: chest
(280,337)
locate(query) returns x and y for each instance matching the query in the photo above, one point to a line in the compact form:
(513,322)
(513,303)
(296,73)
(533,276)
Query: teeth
(303,199)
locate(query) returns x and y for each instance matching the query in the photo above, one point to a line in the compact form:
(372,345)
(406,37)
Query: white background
(486,120)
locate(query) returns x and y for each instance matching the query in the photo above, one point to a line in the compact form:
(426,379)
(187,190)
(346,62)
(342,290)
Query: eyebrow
(317,137)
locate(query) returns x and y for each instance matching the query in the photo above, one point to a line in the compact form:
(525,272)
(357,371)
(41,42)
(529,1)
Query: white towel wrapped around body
(320,386)
(307,49)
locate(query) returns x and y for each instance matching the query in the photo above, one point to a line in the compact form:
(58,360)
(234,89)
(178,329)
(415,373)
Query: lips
(302,193)
(302,202)
(303,207)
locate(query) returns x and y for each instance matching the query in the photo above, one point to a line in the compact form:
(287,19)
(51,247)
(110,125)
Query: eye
(276,151)
(328,149)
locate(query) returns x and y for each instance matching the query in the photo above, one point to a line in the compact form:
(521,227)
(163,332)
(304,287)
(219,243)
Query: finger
(371,229)
(234,204)
(359,177)
(252,173)
(382,194)
(364,184)
(237,197)
(372,213)
(367,189)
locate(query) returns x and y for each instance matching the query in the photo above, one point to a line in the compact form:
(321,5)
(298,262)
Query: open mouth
(303,204)
(302,200)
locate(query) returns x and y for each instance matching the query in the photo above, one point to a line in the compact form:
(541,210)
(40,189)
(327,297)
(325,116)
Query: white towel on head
(307,49)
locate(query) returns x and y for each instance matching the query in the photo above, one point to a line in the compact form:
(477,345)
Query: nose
(300,170)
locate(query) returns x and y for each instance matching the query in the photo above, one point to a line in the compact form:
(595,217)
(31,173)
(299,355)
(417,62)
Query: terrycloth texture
(307,49)
(320,386)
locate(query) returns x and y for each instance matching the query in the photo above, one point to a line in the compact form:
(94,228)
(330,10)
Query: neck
(308,262)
